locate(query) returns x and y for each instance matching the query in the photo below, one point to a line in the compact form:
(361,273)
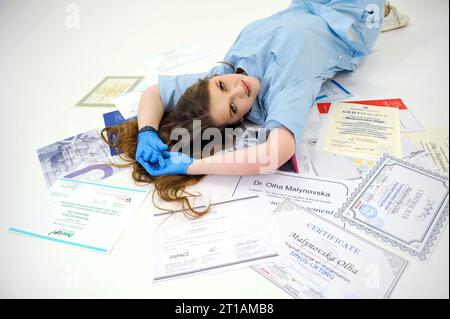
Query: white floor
(47,67)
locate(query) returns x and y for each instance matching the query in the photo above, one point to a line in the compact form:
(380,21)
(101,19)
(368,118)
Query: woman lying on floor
(271,76)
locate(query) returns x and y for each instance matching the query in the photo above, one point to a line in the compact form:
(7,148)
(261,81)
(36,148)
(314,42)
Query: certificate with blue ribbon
(401,204)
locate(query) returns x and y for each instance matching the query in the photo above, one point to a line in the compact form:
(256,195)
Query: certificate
(107,89)
(322,196)
(234,234)
(84,156)
(435,142)
(174,58)
(401,204)
(408,121)
(363,131)
(82,214)
(321,260)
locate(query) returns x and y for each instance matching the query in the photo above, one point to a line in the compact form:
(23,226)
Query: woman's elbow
(283,146)
(279,151)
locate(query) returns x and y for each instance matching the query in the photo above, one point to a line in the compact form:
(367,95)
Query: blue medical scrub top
(292,53)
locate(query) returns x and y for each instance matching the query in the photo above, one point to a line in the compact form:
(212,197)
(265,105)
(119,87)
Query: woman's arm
(258,159)
(151,108)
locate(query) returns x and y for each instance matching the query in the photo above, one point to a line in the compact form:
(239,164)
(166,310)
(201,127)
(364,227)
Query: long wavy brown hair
(192,105)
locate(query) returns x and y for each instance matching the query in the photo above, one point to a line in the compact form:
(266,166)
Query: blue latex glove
(175,163)
(150,149)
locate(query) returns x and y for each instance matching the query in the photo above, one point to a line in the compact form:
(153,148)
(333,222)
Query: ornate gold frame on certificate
(111,86)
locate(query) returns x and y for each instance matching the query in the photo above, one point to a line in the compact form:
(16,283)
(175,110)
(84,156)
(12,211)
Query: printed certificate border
(82,103)
(397,262)
(436,226)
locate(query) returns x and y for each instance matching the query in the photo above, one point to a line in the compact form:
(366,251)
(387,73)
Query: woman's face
(231,97)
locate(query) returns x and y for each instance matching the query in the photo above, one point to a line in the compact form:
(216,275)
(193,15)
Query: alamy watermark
(72,16)
(203,143)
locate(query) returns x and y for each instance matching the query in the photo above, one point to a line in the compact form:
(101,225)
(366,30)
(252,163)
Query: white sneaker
(394,19)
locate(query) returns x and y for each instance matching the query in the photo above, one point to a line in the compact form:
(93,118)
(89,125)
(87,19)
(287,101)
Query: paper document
(312,162)
(436,142)
(83,156)
(231,235)
(400,203)
(322,196)
(110,87)
(332,91)
(362,131)
(408,121)
(171,59)
(323,261)
(82,214)
(128,104)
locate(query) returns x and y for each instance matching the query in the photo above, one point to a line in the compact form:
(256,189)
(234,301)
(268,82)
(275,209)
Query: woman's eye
(233,108)
(221,85)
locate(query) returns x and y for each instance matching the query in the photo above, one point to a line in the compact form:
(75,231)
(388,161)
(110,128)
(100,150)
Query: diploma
(364,131)
(321,260)
(232,235)
(111,86)
(82,214)
(401,204)
(322,196)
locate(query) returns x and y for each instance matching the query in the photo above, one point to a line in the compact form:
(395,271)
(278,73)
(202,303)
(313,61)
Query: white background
(46,68)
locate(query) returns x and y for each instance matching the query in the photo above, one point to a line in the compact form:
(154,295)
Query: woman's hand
(174,164)
(150,149)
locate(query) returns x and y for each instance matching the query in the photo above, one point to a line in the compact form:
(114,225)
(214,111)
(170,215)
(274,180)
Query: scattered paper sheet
(323,196)
(319,163)
(171,59)
(128,104)
(362,131)
(110,87)
(323,261)
(408,121)
(436,142)
(83,156)
(231,235)
(401,204)
(332,91)
(82,214)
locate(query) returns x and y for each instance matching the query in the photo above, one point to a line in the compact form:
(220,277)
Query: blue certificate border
(434,228)
(23,232)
